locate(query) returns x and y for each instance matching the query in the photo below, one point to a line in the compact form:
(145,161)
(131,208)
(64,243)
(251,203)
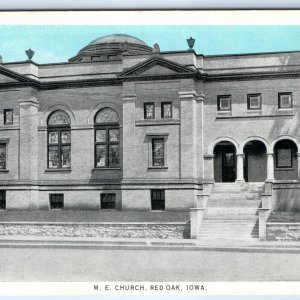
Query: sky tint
(59,43)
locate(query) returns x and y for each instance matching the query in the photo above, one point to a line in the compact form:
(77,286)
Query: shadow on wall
(187,230)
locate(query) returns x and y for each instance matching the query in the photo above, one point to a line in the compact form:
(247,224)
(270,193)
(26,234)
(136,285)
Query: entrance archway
(255,161)
(225,162)
(285,160)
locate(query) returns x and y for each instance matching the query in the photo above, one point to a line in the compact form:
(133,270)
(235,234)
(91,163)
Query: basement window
(56,201)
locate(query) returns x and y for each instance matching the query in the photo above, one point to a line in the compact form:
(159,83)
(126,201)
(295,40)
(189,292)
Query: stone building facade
(126,126)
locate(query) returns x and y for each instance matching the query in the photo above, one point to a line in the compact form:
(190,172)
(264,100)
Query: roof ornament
(191,43)
(29,54)
(1,59)
(156,49)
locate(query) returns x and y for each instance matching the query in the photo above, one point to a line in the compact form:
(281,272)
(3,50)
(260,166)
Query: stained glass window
(107,139)
(166,110)
(59,140)
(2,156)
(107,115)
(158,152)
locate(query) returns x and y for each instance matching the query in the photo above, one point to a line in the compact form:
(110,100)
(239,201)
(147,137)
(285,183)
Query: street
(92,264)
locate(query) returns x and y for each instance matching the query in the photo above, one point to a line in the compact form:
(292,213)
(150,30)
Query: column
(270,167)
(128,135)
(240,167)
(298,161)
(189,138)
(28,138)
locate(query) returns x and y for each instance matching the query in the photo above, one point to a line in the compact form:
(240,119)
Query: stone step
(240,195)
(230,218)
(230,210)
(233,202)
(227,187)
(228,238)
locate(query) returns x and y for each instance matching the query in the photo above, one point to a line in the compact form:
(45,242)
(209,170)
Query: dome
(111,47)
(118,38)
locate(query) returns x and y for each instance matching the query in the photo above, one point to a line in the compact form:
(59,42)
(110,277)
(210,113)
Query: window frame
(249,101)
(151,137)
(107,143)
(5,111)
(51,201)
(219,98)
(102,195)
(145,110)
(285,94)
(163,111)
(160,200)
(58,128)
(3,193)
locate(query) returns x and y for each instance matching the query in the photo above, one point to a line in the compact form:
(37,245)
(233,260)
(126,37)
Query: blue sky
(59,43)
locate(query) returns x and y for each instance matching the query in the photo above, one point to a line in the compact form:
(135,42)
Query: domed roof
(111,47)
(118,38)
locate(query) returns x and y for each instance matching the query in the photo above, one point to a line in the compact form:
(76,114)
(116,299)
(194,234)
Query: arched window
(59,140)
(107,139)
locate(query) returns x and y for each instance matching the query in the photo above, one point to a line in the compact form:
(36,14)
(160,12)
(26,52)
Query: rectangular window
(8,116)
(3,156)
(108,201)
(56,201)
(166,109)
(158,152)
(149,110)
(254,101)
(107,147)
(157,199)
(2,200)
(224,103)
(285,100)
(284,158)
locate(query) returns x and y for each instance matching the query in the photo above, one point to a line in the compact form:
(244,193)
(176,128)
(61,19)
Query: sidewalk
(150,244)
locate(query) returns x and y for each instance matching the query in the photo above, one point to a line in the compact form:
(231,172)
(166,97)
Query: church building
(123,125)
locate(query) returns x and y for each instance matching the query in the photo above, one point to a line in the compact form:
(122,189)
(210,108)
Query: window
(8,116)
(157,199)
(158,152)
(2,156)
(254,101)
(107,139)
(149,110)
(166,109)
(56,201)
(285,100)
(108,201)
(59,140)
(224,103)
(2,200)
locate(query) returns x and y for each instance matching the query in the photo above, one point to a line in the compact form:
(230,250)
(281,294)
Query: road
(79,264)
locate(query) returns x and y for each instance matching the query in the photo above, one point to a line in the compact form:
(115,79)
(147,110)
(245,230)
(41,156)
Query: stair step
(230,217)
(230,210)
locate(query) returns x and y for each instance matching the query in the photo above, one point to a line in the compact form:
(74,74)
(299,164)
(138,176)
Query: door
(228,164)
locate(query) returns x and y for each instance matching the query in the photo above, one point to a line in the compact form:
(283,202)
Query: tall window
(8,116)
(59,140)
(158,152)
(107,139)
(149,110)
(157,199)
(2,156)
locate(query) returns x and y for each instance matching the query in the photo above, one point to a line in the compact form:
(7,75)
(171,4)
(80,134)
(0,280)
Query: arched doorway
(285,160)
(255,161)
(224,162)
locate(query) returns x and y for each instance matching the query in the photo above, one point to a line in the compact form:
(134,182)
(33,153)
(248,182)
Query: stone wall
(102,230)
(283,231)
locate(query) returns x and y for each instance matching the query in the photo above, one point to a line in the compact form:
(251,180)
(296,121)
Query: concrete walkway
(136,243)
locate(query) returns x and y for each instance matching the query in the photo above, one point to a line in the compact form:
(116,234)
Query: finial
(191,43)
(156,49)
(29,54)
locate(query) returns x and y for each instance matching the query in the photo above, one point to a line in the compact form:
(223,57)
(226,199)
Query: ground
(282,217)
(124,264)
